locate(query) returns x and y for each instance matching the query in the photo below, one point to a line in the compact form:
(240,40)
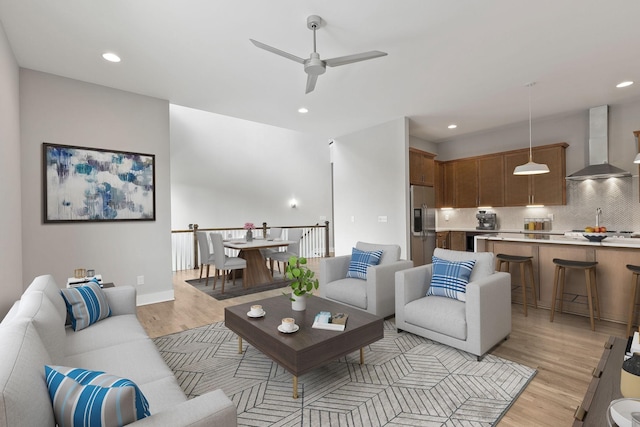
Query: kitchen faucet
(598,213)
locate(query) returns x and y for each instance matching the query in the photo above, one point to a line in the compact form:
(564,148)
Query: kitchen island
(613,278)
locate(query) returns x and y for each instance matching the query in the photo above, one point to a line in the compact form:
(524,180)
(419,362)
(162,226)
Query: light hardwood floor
(564,352)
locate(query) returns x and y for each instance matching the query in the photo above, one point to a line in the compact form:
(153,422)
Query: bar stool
(635,269)
(589,268)
(523,261)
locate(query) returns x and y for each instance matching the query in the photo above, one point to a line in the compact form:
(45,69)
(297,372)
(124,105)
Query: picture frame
(82,184)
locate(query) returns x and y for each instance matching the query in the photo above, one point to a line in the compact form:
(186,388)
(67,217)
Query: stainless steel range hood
(599,167)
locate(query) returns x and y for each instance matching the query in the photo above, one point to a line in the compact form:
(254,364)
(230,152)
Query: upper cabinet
(544,189)
(444,184)
(465,183)
(489,180)
(421,168)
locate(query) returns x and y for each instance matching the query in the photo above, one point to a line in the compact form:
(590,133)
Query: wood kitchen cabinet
(444,184)
(465,183)
(544,189)
(491,181)
(458,240)
(442,239)
(421,168)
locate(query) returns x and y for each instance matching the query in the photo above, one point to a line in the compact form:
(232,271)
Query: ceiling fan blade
(343,60)
(311,82)
(277,51)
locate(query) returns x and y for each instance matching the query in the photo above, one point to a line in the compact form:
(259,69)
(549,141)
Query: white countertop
(615,242)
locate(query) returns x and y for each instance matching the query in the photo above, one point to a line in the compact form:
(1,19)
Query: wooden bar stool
(589,268)
(635,269)
(523,261)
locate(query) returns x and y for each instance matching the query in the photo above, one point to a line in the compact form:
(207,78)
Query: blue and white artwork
(87,184)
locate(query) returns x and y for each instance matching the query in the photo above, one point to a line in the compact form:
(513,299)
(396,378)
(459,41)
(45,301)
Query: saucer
(295,329)
(256,315)
(621,411)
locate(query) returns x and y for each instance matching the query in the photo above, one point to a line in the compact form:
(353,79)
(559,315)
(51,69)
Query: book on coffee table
(332,322)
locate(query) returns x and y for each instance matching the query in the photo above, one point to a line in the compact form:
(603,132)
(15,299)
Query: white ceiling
(462,61)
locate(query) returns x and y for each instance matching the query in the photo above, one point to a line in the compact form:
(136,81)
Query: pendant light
(637,159)
(531,168)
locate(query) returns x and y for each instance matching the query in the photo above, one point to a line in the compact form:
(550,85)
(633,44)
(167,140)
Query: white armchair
(474,325)
(376,294)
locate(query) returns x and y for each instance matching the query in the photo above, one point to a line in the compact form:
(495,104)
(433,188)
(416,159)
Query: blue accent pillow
(449,278)
(360,260)
(86,305)
(91,398)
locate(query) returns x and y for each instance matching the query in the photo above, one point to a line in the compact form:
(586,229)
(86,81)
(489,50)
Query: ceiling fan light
(637,159)
(531,168)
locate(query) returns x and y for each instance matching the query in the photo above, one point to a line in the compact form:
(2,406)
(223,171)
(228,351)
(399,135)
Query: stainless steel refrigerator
(423,224)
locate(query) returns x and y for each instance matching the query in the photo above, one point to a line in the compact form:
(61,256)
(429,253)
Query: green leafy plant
(303,279)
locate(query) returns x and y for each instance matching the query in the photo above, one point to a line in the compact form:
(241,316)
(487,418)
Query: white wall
(64,111)
(371,175)
(11,211)
(227,171)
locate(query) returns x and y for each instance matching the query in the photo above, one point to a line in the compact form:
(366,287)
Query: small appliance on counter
(486,220)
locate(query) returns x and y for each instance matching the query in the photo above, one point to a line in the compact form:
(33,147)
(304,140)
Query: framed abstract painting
(91,184)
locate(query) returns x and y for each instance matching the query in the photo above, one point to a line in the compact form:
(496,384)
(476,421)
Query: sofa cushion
(164,393)
(92,398)
(446,316)
(47,285)
(348,291)
(485,265)
(86,305)
(24,400)
(36,307)
(139,361)
(360,261)
(111,331)
(390,253)
(449,278)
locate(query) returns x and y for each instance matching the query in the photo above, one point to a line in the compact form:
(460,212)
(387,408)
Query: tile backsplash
(617,197)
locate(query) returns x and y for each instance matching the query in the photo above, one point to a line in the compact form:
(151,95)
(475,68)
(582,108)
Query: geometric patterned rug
(406,380)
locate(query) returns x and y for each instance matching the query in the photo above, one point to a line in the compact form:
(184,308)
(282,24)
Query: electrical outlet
(382,218)
(140,280)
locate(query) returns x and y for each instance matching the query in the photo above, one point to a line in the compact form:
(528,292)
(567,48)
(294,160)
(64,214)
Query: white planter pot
(299,303)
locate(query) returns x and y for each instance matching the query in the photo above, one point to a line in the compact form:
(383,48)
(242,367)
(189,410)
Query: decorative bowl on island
(595,237)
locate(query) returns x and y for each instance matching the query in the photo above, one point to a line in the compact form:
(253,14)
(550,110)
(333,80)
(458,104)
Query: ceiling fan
(314,66)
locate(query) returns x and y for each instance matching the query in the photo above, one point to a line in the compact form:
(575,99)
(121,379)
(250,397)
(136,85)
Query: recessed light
(303,110)
(624,84)
(452,126)
(111,57)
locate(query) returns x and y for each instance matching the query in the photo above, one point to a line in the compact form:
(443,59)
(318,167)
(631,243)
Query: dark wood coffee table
(308,348)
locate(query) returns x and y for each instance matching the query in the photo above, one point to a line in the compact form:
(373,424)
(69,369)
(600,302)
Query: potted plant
(303,282)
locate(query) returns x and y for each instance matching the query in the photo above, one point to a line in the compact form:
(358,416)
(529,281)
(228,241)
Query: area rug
(406,380)
(231,291)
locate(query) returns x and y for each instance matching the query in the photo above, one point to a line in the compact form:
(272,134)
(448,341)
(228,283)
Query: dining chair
(274,233)
(206,256)
(295,234)
(224,262)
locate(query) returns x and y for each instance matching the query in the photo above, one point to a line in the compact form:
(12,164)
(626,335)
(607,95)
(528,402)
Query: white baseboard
(155,297)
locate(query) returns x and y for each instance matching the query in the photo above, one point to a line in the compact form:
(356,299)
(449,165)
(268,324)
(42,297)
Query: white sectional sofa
(33,334)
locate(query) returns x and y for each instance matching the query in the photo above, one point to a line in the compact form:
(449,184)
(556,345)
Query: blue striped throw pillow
(360,260)
(86,305)
(449,278)
(90,398)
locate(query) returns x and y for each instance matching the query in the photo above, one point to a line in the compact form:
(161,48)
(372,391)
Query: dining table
(257,272)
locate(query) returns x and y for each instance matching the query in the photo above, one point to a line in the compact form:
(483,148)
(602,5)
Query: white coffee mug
(288,324)
(256,310)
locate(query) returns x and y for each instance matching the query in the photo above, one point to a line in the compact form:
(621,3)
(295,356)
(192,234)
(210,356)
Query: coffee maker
(486,220)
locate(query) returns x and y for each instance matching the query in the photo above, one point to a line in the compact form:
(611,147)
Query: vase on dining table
(249,236)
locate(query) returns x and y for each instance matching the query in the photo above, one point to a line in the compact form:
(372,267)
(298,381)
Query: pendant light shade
(637,159)
(530,168)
